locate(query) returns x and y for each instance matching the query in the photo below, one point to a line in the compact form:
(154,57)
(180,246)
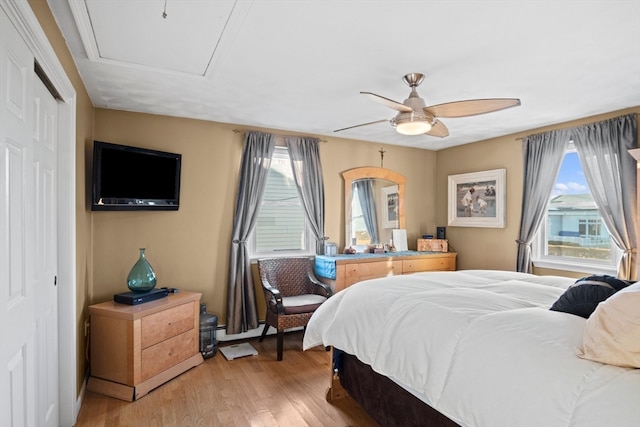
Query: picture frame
(389,206)
(477,199)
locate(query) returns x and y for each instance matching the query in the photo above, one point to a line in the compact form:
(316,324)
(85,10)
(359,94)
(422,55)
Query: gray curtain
(611,174)
(366,197)
(307,172)
(543,154)
(242,313)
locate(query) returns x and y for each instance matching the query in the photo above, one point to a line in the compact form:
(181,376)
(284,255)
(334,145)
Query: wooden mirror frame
(355,174)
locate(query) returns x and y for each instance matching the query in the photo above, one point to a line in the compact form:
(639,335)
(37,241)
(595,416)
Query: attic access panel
(136,33)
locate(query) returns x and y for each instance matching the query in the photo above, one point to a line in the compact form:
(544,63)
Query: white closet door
(28,253)
(45,254)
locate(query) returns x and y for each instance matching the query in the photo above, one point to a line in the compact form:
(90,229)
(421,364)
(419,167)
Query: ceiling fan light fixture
(412,124)
(415,127)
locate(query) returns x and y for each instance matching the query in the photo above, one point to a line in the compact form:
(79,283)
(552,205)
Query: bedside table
(136,348)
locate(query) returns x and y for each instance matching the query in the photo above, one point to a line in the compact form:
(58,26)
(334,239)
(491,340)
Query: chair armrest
(325,289)
(275,295)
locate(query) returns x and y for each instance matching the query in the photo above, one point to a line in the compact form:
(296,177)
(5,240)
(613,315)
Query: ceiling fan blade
(388,102)
(472,107)
(363,124)
(439,130)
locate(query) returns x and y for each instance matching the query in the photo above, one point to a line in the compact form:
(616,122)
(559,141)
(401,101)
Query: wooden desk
(350,269)
(136,348)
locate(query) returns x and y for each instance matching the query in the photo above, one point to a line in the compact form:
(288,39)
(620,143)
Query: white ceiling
(300,65)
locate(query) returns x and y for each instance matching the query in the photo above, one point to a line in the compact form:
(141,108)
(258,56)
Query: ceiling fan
(415,118)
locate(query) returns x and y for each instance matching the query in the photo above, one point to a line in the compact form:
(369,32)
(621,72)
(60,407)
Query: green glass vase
(141,278)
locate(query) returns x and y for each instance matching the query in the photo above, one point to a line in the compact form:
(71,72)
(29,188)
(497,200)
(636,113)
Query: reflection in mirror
(374,211)
(364,220)
(374,206)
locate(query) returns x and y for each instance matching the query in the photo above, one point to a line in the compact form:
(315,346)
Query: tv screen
(132,178)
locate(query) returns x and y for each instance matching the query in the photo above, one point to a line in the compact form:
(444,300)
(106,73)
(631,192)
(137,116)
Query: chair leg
(280,342)
(264,332)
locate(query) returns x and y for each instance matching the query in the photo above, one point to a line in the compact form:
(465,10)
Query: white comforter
(481,347)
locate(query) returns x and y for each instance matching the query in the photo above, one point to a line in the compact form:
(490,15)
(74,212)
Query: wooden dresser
(136,348)
(341,271)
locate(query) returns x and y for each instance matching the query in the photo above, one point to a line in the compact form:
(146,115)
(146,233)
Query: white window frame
(542,260)
(309,245)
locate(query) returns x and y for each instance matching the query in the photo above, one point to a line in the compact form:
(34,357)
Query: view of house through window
(573,230)
(281,227)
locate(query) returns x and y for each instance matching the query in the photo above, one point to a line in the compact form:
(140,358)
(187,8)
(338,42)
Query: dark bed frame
(384,400)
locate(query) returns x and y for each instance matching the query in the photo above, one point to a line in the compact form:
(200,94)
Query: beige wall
(189,248)
(84,137)
(480,248)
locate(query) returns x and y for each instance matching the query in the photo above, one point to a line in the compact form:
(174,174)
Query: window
(281,227)
(572,235)
(590,228)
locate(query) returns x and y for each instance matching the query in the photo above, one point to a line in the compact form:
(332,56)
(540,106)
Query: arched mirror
(374,205)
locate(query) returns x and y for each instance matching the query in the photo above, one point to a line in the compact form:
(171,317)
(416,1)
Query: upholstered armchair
(292,293)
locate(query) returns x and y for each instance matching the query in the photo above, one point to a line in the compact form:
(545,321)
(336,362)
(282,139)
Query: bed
(473,348)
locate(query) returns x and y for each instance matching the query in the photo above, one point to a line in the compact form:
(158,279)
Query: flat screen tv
(129,178)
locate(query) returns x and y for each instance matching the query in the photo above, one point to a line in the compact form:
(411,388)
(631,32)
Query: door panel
(28,245)
(46,304)
(17,322)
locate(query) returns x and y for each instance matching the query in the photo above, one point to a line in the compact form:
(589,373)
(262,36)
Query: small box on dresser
(433,245)
(136,348)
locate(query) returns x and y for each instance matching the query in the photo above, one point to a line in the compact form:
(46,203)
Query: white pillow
(612,332)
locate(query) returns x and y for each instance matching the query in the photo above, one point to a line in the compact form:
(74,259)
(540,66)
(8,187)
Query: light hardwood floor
(251,391)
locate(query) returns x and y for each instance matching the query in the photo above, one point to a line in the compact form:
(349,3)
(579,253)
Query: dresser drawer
(373,269)
(352,280)
(165,324)
(168,353)
(429,264)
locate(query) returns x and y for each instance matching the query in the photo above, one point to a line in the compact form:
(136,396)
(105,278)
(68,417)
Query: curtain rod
(637,115)
(274,134)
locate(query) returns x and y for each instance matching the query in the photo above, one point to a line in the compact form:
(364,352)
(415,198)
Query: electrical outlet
(86,327)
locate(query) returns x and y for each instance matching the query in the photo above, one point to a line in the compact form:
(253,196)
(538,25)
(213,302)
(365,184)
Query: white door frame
(25,21)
